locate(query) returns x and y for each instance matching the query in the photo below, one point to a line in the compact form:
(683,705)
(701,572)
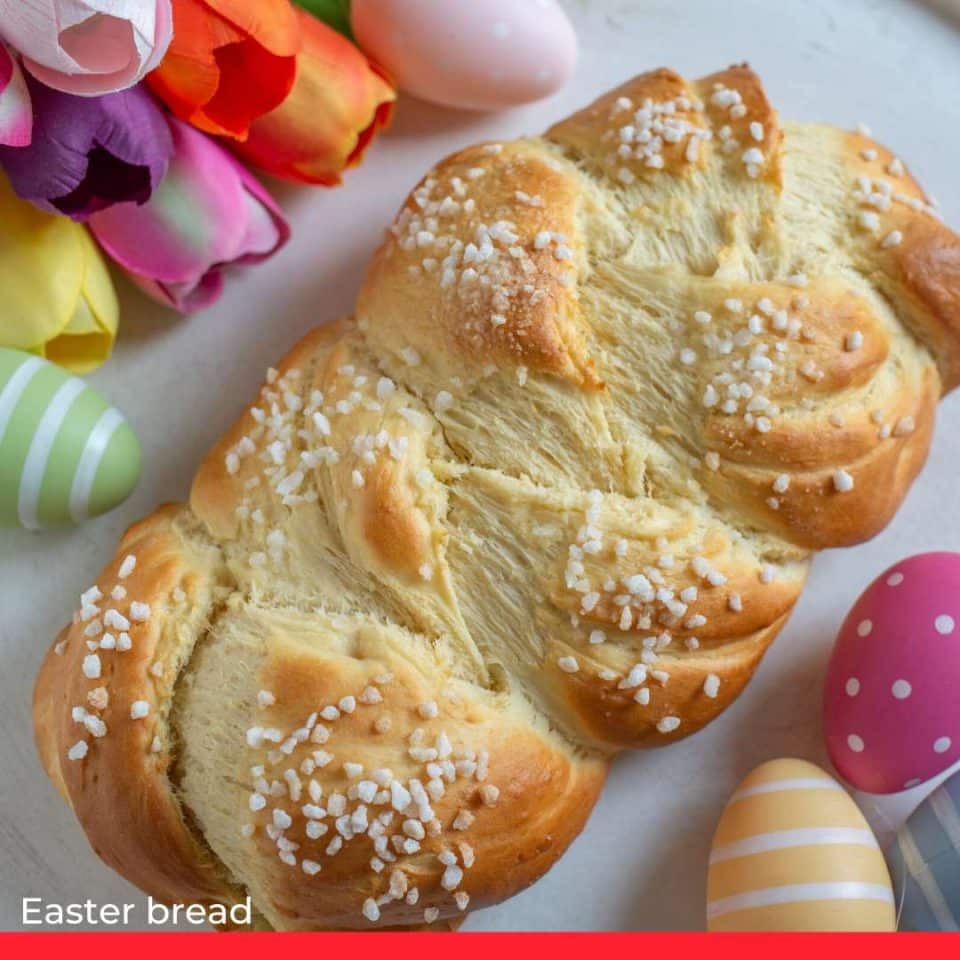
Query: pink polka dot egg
(891,714)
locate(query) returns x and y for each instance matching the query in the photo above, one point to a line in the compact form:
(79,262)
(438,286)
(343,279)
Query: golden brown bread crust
(529,295)
(551,494)
(545,794)
(927,266)
(124,795)
(611,715)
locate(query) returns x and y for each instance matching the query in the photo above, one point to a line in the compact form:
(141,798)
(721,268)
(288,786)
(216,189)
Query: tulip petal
(337,104)
(230,62)
(87,340)
(207,214)
(272,22)
(90,152)
(16,114)
(58,300)
(88,47)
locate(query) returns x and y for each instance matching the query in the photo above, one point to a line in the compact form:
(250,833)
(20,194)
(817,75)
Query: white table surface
(641,862)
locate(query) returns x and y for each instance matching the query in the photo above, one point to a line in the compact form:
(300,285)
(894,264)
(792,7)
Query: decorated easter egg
(793,852)
(925,862)
(65,453)
(891,714)
(480,56)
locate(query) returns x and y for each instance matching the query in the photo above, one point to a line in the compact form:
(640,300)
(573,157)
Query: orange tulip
(230,62)
(337,104)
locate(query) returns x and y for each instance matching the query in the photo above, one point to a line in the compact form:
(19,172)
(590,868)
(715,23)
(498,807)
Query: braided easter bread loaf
(551,493)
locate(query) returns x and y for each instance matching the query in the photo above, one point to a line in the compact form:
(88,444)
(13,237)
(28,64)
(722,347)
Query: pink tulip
(207,216)
(16,116)
(88,47)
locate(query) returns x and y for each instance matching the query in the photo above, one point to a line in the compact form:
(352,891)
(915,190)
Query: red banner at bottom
(483,946)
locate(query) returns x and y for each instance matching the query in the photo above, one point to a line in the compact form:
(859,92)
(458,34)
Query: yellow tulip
(57,298)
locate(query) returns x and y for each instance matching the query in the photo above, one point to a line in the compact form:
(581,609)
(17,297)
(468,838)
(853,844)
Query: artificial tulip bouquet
(125,125)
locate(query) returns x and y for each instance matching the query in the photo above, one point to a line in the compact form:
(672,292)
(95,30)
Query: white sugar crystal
(853,341)
(91,666)
(95,725)
(842,481)
(139,612)
(452,876)
(116,620)
(428,710)
(489,794)
(568,664)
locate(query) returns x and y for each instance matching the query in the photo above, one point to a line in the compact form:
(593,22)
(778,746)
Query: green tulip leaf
(335,13)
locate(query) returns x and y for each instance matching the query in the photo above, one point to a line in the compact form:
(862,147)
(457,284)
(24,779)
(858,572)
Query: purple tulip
(207,216)
(88,153)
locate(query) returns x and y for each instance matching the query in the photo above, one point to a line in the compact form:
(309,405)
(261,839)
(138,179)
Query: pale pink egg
(473,54)
(892,697)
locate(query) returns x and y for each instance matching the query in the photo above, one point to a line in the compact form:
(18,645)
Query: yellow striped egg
(793,852)
(65,453)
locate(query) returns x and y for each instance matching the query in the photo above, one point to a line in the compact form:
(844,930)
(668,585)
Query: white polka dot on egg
(942,745)
(944,624)
(855,743)
(901,689)
(852,687)
(895,579)
(910,784)
(864,628)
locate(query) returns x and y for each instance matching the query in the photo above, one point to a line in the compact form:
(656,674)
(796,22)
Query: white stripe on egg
(799,893)
(801,837)
(775,786)
(35,466)
(16,386)
(83,480)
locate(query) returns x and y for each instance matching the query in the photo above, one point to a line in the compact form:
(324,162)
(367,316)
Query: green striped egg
(65,453)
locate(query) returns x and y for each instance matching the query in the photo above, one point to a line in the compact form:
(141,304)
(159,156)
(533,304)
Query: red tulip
(338,102)
(230,62)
